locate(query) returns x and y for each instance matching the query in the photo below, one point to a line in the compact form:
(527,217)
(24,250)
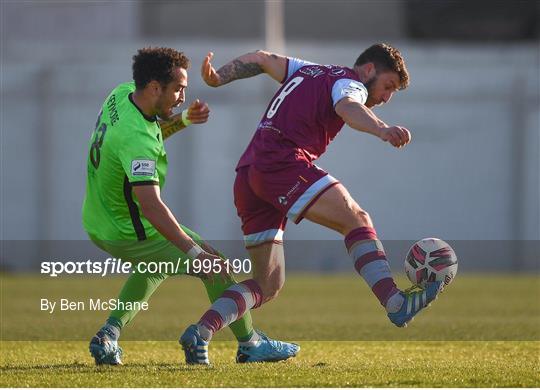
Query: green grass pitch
(484,331)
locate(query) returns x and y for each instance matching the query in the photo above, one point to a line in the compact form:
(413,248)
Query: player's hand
(223,276)
(198,112)
(214,255)
(208,73)
(218,270)
(397,136)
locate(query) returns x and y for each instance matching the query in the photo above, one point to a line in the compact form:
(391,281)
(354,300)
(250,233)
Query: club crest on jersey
(143,167)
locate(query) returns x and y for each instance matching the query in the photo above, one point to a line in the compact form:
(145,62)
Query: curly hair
(156,63)
(385,58)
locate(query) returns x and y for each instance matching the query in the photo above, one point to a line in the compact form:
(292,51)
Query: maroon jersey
(300,121)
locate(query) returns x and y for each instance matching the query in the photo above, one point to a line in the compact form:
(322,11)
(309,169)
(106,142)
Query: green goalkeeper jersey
(126,150)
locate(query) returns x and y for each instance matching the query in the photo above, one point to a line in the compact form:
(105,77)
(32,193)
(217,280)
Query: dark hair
(156,63)
(385,58)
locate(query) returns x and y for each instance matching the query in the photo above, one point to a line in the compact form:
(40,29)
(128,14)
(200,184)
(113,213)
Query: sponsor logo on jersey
(268,125)
(283,200)
(143,167)
(337,72)
(312,71)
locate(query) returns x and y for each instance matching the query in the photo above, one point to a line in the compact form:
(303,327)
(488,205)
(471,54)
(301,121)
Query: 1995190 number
(217,266)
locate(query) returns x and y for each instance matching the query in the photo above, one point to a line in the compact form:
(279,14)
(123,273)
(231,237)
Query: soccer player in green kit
(123,212)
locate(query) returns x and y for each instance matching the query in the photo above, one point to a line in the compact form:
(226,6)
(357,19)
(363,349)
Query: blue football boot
(267,350)
(414,302)
(104,349)
(194,346)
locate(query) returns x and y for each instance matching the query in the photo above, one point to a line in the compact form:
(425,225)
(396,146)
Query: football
(429,260)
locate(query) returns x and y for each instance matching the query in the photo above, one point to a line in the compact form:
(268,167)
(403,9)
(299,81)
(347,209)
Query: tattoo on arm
(170,127)
(238,70)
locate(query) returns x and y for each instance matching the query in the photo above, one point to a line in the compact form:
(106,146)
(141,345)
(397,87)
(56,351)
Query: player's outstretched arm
(197,112)
(361,118)
(159,215)
(247,65)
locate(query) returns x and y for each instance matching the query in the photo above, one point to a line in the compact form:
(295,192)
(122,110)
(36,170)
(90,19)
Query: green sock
(138,288)
(242,328)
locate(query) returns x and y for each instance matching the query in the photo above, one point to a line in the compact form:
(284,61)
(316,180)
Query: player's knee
(270,294)
(358,218)
(362,218)
(271,289)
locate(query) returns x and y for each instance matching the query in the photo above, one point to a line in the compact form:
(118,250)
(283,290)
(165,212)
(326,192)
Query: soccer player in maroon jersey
(277,179)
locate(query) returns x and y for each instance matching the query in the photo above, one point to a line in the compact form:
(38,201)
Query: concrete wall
(210,19)
(471,172)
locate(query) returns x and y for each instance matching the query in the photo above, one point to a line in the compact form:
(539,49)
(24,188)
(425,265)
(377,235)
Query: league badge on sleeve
(143,167)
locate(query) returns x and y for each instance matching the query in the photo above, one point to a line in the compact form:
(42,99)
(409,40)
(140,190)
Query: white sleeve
(349,88)
(294,64)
